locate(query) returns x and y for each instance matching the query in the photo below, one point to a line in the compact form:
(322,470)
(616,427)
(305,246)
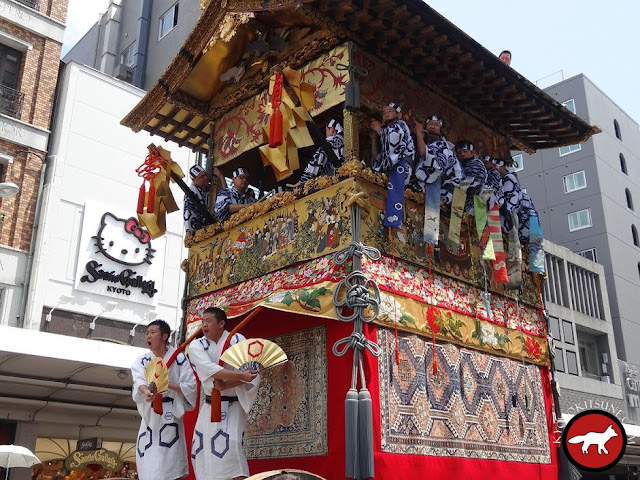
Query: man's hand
(249,375)
(376,126)
(419,128)
(148,394)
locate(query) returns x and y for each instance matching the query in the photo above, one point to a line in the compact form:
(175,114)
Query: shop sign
(104,458)
(116,257)
(631,384)
(89,444)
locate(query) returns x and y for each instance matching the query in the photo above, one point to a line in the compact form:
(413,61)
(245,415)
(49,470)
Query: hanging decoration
(291,100)
(157,170)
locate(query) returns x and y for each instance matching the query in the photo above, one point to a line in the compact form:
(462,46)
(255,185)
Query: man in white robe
(216,451)
(161,450)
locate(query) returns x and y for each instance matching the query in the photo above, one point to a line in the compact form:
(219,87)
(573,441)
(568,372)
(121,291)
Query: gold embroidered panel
(312,227)
(241,129)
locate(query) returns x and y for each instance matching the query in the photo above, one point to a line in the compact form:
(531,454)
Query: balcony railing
(35,4)
(11,101)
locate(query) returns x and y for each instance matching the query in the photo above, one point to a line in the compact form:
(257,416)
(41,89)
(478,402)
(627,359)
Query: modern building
(58,383)
(588,198)
(585,357)
(134,40)
(31,33)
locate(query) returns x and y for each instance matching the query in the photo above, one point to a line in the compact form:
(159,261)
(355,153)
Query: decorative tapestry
(477,406)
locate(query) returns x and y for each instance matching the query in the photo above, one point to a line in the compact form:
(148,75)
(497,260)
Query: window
(571,106)
(554,328)
(572,363)
(567,332)
(168,21)
(558,361)
(588,357)
(574,181)
(590,254)
(128,56)
(518,162)
(10,98)
(627,193)
(639,269)
(623,164)
(634,234)
(579,220)
(569,149)
(616,127)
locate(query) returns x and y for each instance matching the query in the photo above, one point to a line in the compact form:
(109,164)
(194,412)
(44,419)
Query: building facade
(31,33)
(587,196)
(134,40)
(57,382)
(584,350)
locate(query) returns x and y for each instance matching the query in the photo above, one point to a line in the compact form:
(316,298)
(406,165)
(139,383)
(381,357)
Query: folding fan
(156,375)
(254,354)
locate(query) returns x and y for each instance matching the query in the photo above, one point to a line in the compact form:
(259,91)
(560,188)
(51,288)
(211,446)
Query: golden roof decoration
(237,43)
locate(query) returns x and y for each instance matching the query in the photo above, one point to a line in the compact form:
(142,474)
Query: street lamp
(106,307)
(8,189)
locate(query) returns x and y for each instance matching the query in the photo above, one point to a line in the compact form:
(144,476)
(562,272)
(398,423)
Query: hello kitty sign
(117,258)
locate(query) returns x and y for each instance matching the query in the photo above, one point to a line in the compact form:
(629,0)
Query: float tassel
(141,194)
(365,433)
(351,434)
(151,199)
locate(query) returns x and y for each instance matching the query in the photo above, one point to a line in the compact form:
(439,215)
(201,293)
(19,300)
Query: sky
(550,40)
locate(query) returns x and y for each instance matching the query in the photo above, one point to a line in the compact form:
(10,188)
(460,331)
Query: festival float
(404,356)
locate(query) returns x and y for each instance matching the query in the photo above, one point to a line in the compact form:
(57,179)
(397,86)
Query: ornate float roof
(408,35)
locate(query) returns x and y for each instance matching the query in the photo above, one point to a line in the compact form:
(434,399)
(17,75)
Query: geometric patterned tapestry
(478,405)
(289,418)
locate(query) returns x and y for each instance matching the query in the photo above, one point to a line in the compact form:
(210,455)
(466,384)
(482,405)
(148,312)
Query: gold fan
(254,354)
(156,375)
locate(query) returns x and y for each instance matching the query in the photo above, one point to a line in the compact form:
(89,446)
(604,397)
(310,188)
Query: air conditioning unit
(124,72)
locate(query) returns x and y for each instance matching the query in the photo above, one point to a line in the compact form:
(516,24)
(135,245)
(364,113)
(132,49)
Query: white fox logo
(595,438)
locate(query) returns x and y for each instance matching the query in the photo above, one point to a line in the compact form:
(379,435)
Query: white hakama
(217,452)
(161,451)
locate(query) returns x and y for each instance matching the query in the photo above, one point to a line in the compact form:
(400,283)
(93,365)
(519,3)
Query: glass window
(574,181)
(590,254)
(616,127)
(623,164)
(128,56)
(567,332)
(579,220)
(627,194)
(554,327)
(571,106)
(588,357)
(572,363)
(168,21)
(634,234)
(569,149)
(518,162)
(558,360)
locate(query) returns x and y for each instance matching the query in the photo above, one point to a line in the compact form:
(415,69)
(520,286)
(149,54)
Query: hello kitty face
(124,241)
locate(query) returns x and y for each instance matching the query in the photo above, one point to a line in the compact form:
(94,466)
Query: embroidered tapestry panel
(289,418)
(477,406)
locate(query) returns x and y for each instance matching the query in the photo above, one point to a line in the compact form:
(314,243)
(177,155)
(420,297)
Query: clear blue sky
(598,38)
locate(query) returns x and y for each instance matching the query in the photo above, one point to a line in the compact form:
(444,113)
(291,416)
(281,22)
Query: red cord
(151,167)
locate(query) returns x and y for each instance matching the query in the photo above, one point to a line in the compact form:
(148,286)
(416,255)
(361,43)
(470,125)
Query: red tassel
(157,401)
(141,196)
(152,197)
(434,364)
(275,129)
(276,120)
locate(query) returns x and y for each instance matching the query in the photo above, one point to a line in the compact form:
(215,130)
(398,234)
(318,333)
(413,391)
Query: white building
(56,379)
